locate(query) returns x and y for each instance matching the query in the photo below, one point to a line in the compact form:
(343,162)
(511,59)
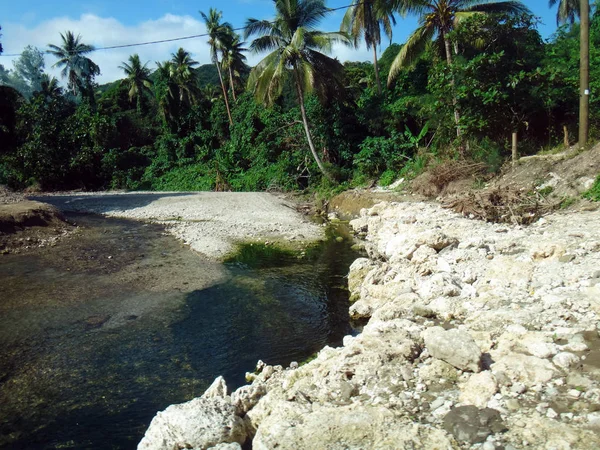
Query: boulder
(454,346)
(473,425)
(478,389)
(200,423)
(348,427)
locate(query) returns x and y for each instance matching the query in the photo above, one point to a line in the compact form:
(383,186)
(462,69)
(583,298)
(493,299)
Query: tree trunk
(224,92)
(584,73)
(375,65)
(307,130)
(231,83)
(515,153)
(566,136)
(452,83)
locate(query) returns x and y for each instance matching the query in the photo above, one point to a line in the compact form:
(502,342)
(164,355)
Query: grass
(593,193)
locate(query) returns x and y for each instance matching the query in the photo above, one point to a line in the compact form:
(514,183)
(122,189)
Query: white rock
(479,389)
(202,422)
(565,360)
(454,346)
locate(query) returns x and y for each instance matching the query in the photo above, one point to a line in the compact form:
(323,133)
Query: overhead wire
(182,38)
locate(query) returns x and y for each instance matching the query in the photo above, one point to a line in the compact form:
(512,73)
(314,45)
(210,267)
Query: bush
(594,193)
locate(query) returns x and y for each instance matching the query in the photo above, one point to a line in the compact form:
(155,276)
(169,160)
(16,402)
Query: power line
(183,38)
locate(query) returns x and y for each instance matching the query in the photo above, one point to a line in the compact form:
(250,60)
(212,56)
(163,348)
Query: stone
(200,423)
(565,360)
(454,346)
(246,397)
(218,388)
(228,446)
(525,369)
(347,427)
(473,425)
(478,389)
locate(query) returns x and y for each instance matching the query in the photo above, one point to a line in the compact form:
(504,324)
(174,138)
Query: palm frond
(410,52)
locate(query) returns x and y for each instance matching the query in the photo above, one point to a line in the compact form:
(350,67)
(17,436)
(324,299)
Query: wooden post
(566,136)
(515,155)
(584,73)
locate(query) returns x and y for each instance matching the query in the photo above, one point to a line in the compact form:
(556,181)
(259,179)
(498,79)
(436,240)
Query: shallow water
(120,320)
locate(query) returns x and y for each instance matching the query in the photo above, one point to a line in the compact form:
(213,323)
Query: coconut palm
(367,20)
(568,10)
(437,18)
(76,67)
(138,79)
(166,92)
(234,60)
(49,87)
(218,32)
(183,74)
(295,47)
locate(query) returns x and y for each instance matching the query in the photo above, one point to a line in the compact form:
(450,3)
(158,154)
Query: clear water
(102,331)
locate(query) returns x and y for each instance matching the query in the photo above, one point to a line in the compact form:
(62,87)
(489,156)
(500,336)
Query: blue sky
(112,22)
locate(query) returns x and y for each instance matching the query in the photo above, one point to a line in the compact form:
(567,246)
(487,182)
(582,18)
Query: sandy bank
(210,222)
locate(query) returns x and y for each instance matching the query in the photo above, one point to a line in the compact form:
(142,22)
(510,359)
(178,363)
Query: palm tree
(218,34)
(437,18)
(76,67)
(568,10)
(49,87)
(138,79)
(366,20)
(183,74)
(234,60)
(295,47)
(166,92)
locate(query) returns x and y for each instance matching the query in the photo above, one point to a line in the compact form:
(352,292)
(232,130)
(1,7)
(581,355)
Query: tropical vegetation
(472,74)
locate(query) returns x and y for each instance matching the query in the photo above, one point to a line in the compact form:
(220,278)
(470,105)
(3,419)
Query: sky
(113,22)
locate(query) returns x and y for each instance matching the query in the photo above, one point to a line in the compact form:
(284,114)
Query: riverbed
(120,319)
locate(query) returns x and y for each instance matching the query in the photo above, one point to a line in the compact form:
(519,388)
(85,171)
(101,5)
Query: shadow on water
(91,348)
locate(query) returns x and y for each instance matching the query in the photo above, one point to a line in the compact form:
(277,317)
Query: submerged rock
(472,425)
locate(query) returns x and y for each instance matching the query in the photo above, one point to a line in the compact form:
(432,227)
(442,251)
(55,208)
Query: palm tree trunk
(224,92)
(307,129)
(452,83)
(375,66)
(231,84)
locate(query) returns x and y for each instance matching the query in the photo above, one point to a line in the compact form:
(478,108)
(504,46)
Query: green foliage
(387,178)
(593,193)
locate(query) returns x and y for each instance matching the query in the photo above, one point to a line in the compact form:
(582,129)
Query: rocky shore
(476,336)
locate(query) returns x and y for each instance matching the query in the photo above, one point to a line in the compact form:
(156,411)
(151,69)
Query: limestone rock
(349,427)
(479,389)
(199,423)
(564,360)
(218,388)
(454,346)
(472,425)
(527,369)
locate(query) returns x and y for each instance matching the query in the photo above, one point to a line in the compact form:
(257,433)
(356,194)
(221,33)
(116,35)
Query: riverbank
(477,336)
(211,223)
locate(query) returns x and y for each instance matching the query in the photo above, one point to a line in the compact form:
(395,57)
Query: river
(120,320)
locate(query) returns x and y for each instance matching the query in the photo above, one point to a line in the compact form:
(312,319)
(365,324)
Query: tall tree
(437,18)
(79,70)
(183,74)
(219,32)
(49,88)
(234,60)
(367,20)
(138,79)
(568,10)
(30,68)
(584,72)
(295,50)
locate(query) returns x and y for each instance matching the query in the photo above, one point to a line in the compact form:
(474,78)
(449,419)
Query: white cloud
(104,32)
(108,31)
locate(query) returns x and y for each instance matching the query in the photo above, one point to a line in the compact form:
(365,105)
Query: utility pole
(584,73)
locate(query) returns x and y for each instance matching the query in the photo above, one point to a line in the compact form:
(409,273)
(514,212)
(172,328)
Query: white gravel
(210,222)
